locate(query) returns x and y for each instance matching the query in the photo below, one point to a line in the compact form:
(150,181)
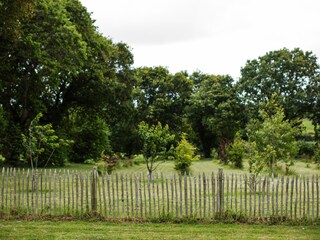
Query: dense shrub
(107,163)
(236,151)
(316,156)
(184,155)
(214,153)
(306,149)
(91,138)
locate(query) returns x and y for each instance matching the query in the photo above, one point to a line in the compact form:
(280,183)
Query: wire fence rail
(201,196)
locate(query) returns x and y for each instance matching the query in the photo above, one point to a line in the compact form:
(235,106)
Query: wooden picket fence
(201,196)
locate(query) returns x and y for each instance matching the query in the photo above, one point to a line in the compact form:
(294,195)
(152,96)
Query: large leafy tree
(215,113)
(283,72)
(58,63)
(313,96)
(162,97)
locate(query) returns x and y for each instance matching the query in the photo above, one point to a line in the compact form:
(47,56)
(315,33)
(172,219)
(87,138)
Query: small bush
(236,151)
(184,155)
(316,156)
(306,149)
(214,153)
(107,163)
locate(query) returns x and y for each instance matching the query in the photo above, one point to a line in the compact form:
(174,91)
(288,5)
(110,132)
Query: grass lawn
(101,230)
(205,165)
(208,166)
(308,126)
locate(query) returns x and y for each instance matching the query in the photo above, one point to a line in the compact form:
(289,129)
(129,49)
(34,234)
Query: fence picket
(138,196)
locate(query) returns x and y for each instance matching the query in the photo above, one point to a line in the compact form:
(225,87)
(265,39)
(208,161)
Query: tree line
(67,93)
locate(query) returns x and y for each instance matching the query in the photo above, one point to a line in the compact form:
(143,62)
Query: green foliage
(2,159)
(40,144)
(184,155)
(236,151)
(316,156)
(214,153)
(162,97)
(155,140)
(3,128)
(57,63)
(215,113)
(281,72)
(271,140)
(107,163)
(313,99)
(91,137)
(306,149)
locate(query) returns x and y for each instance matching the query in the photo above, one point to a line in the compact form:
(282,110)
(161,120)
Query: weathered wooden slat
(168,195)
(117,195)
(231,193)
(291,197)
(204,179)
(281,197)
(127,197)
(213,183)
(162,194)
(149,197)
(304,197)
(227,192)
(200,195)
(195,196)
(108,179)
(308,198)
(241,194)
(296,199)
(122,195)
(141,199)
(87,191)
(176,195)
(136,188)
(131,196)
(263,197)
(236,193)
(60,193)
(272,196)
(81,193)
(77,192)
(208,196)
(154,198)
(318,200)
(113,196)
(22,188)
(268,197)
(312,196)
(180,195)
(2,188)
(157,196)
(104,194)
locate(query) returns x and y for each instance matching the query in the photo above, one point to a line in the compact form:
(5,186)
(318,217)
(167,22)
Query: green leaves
(283,72)
(41,139)
(272,140)
(155,140)
(216,113)
(184,154)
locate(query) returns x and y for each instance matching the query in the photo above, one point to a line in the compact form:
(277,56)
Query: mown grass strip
(14,229)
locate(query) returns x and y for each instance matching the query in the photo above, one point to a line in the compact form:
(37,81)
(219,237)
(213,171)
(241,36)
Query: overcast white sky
(213,36)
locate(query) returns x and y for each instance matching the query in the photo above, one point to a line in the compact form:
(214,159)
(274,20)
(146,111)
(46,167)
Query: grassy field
(209,166)
(205,165)
(101,230)
(308,126)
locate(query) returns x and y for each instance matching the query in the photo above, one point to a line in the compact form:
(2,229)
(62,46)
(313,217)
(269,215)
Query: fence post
(221,194)
(94,190)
